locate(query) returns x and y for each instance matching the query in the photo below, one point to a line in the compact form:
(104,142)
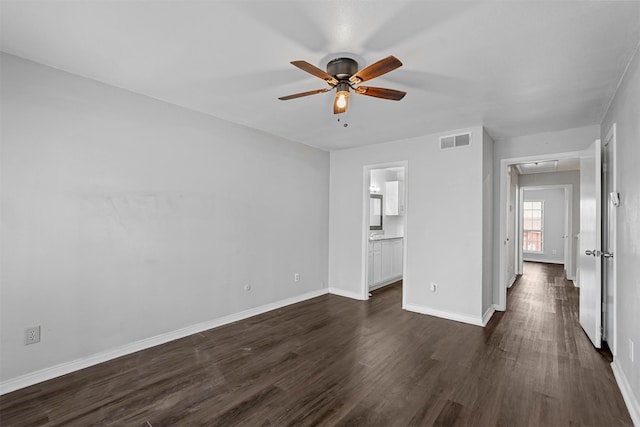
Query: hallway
(337,361)
(555,366)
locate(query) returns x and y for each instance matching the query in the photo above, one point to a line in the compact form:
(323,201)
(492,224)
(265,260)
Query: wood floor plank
(335,361)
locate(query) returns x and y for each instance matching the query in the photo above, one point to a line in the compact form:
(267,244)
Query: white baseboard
(346,294)
(488,315)
(85,362)
(464,318)
(511,281)
(627,393)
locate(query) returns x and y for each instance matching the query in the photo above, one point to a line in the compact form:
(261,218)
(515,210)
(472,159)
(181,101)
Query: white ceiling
(515,67)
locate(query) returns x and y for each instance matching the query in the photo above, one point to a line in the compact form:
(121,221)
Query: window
(532,227)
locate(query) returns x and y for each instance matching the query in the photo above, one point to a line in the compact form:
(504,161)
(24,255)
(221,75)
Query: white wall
(559,178)
(540,144)
(625,112)
(444,240)
(553,225)
(124,217)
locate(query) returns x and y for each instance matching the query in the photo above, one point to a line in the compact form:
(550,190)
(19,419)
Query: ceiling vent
(455,141)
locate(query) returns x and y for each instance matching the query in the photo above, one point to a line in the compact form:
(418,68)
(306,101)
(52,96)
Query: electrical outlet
(32,335)
(247,287)
(434,287)
(296,277)
(631,351)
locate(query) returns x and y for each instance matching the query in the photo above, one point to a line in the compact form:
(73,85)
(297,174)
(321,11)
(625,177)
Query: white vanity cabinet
(385,262)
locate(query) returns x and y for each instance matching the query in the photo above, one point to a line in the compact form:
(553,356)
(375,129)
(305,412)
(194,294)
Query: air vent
(455,141)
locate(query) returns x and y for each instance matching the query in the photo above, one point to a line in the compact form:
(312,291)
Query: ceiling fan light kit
(342,74)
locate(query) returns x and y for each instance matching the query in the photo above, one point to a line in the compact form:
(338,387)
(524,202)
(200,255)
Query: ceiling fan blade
(301,94)
(380,92)
(312,69)
(376,69)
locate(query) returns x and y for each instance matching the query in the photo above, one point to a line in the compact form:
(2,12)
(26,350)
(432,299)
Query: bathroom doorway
(385,226)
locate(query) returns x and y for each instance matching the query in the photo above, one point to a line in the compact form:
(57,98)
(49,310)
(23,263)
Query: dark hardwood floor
(336,361)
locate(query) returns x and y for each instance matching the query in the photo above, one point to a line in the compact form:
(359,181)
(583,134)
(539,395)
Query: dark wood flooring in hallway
(334,361)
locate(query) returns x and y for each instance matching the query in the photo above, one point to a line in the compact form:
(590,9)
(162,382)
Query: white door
(590,243)
(510,242)
(609,240)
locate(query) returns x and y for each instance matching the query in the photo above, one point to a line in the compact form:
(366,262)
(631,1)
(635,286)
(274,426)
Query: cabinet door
(370,267)
(377,263)
(391,198)
(387,260)
(397,258)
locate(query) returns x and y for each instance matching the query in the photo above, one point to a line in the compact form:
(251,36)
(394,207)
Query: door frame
(513,211)
(366,181)
(568,222)
(610,224)
(504,164)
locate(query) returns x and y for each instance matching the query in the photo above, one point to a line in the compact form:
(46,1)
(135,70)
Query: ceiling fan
(342,74)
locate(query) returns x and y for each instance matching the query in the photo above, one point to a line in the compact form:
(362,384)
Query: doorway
(512,177)
(385,211)
(545,226)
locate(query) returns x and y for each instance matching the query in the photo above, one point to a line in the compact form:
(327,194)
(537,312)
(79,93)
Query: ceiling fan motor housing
(342,68)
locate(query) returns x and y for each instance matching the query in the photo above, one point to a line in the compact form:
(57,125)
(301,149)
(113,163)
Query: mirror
(375,212)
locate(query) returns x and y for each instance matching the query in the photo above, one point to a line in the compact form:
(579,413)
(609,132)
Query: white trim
(346,294)
(501,304)
(45,374)
(627,392)
(488,315)
(366,212)
(511,281)
(364,267)
(458,317)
